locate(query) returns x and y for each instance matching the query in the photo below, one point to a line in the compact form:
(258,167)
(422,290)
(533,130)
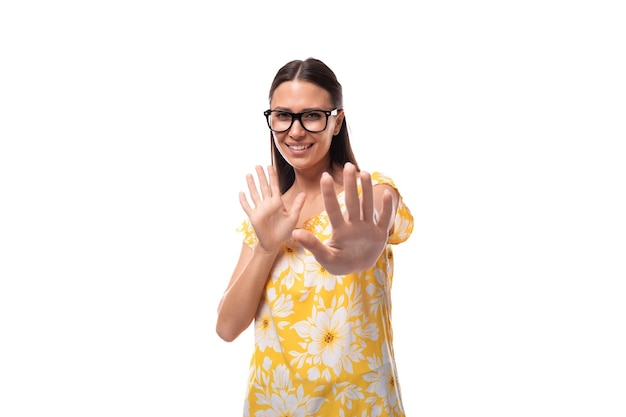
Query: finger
(274,184)
(296,207)
(351,192)
(308,240)
(367,197)
(263,184)
(254,194)
(330,201)
(386,214)
(244,204)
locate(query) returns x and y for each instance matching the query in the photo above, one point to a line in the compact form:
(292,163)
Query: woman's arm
(241,299)
(272,224)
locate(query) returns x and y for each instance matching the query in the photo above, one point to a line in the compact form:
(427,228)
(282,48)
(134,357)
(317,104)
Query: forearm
(241,300)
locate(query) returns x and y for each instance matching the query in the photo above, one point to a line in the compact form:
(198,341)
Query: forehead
(297,95)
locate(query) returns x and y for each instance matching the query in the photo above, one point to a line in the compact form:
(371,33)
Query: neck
(310,185)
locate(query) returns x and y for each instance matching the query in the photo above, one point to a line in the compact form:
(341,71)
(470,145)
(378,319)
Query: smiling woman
(316,263)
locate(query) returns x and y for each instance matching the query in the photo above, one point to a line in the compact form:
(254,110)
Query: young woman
(316,264)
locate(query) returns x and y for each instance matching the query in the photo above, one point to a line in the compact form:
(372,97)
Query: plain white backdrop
(126,130)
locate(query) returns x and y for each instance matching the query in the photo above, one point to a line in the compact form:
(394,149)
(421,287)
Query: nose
(296,130)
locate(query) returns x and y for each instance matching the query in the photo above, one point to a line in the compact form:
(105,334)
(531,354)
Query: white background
(126,130)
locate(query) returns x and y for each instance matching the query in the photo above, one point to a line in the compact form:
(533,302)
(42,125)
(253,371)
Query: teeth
(298,147)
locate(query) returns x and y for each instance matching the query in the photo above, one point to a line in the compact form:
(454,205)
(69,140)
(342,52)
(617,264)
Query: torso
(321,339)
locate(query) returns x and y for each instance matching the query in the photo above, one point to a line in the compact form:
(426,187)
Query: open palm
(272,222)
(358,238)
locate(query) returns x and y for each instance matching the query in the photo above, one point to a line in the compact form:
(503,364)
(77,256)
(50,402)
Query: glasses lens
(313,121)
(279,121)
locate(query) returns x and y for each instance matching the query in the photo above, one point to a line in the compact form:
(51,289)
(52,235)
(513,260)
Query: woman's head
(315,72)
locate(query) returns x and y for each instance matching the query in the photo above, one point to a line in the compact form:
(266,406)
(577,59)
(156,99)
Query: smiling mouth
(299,147)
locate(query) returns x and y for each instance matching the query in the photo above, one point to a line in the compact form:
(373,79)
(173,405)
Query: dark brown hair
(314,71)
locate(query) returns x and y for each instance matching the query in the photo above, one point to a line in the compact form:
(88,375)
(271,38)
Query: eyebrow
(304,110)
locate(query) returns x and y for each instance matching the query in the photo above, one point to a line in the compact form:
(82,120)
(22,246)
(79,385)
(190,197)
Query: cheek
(276,138)
(326,142)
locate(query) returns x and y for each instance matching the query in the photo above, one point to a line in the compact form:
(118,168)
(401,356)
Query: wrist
(260,250)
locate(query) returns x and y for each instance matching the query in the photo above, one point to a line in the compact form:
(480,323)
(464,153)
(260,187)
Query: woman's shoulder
(403,223)
(381,178)
(246,229)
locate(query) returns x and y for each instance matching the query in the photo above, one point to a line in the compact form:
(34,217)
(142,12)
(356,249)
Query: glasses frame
(298,117)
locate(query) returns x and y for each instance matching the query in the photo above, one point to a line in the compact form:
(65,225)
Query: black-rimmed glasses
(314,121)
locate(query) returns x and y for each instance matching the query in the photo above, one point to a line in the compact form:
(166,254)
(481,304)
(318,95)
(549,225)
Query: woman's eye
(283,116)
(313,115)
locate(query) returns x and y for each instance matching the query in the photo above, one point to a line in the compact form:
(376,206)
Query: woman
(316,263)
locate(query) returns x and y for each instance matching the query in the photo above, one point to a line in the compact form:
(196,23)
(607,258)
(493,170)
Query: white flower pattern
(323,342)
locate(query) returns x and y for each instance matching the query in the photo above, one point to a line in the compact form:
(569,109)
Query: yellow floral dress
(323,342)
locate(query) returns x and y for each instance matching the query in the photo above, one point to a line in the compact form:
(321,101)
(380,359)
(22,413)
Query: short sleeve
(403,224)
(247,231)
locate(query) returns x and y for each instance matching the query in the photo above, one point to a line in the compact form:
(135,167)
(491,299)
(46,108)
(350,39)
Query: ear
(339,122)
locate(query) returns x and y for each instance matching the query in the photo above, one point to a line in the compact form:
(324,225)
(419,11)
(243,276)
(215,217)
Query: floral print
(323,343)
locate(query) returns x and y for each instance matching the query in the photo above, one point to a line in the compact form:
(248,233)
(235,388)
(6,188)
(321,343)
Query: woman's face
(301,148)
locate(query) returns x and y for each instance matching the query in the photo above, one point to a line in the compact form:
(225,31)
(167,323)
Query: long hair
(316,72)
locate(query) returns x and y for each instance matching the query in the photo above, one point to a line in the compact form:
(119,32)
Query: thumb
(309,241)
(297,205)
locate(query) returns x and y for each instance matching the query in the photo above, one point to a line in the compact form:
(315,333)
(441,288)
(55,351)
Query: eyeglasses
(313,121)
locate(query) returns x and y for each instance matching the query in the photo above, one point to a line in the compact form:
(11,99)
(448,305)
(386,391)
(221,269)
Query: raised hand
(271,221)
(358,238)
